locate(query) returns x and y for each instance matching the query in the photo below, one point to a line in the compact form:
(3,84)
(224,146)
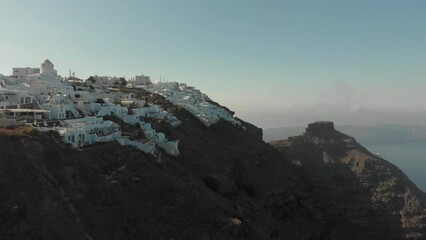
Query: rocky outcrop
(321,129)
(354,188)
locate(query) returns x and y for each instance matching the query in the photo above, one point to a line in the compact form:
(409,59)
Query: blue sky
(257,57)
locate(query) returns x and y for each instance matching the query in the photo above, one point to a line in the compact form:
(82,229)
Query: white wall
(22,72)
(47,69)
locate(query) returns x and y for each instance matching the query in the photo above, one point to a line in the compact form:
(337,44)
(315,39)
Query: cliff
(225,184)
(355,188)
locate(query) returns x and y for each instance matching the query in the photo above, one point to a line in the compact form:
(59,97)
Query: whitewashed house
(23,72)
(111,109)
(156,112)
(9,97)
(147,146)
(171,147)
(26,114)
(89,130)
(61,107)
(129,99)
(47,68)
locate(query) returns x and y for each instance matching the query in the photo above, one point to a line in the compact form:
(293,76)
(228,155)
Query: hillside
(226,183)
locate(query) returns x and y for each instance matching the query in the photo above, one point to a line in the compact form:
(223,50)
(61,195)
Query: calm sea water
(409,157)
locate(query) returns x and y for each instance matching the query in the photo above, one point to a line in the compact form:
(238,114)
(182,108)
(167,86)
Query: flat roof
(20,110)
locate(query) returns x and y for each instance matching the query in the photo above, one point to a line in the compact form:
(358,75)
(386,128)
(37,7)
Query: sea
(409,157)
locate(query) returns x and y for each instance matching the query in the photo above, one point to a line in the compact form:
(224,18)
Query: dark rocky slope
(226,184)
(355,188)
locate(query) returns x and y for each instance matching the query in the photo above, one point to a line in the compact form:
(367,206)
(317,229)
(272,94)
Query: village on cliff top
(81,111)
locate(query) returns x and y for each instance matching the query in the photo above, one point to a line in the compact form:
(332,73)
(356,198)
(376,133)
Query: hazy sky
(271,57)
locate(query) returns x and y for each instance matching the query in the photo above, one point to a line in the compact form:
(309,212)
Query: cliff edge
(355,188)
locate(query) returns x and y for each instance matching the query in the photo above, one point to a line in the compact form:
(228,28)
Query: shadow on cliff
(356,191)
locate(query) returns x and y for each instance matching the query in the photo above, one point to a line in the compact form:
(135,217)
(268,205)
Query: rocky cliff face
(354,188)
(226,184)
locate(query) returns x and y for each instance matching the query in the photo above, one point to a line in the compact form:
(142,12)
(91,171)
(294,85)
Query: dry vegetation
(19,131)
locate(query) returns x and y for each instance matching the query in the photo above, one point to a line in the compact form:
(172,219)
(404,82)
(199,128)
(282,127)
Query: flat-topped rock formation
(320,128)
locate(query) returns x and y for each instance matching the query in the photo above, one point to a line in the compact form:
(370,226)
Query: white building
(26,114)
(142,80)
(10,97)
(171,147)
(23,72)
(60,107)
(47,68)
(89,130)
(148,146)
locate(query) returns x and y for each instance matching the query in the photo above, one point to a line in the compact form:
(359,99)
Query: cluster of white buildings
(88,130)
(199,104)
(44,100)
(46,68)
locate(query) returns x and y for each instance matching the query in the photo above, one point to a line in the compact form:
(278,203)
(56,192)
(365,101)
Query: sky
(275,63)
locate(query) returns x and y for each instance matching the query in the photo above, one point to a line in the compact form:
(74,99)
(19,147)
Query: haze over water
(409,157)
